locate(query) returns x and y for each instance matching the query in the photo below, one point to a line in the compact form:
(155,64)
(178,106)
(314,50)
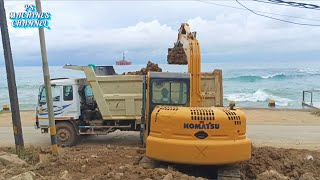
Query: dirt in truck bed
(122,162)
(150,67)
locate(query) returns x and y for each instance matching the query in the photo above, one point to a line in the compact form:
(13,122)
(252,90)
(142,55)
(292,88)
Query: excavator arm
(187,51)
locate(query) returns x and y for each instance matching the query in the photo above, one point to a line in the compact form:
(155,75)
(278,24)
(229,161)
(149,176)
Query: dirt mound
(292,163)
(150,67)
(122,162)
(88,162)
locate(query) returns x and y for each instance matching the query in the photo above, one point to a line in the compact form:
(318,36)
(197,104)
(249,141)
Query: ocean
(248,84)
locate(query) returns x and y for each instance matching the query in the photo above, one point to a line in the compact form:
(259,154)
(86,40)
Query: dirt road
(277,128)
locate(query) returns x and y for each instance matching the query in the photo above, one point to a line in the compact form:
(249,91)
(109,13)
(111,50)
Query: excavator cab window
(169,92)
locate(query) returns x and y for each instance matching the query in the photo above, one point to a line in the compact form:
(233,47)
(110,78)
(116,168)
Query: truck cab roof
(66,81)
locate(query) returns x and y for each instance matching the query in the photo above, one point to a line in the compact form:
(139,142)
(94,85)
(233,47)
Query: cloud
(100,31)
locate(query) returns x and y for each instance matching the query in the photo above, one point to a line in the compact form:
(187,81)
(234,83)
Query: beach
(286,142)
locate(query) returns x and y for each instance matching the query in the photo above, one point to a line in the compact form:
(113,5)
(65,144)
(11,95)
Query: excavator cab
(163,89)
(172,131)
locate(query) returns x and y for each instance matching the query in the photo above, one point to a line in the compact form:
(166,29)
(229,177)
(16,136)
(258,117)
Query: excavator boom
(187,51)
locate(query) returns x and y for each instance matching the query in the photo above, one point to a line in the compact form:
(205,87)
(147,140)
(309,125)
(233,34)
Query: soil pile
(150,67)
(269,162)
(122,162)
(94,162)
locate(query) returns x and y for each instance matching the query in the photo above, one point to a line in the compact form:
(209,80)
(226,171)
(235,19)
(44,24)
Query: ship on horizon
(123,61)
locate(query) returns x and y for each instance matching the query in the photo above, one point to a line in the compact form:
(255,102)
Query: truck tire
(66,134)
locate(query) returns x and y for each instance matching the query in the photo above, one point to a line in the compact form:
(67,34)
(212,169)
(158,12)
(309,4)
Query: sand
(254,117)
(298,129)
(116,156)
(281,117)
(27,118)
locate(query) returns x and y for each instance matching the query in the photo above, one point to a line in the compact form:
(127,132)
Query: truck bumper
(198,152)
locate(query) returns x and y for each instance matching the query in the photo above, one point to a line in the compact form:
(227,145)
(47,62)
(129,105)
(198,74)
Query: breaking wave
(250,78)
(258,96)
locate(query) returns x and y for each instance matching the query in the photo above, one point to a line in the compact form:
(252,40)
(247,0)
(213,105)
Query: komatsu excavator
(177,128)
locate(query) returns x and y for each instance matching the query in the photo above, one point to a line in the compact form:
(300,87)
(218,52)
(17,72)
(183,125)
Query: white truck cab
(66,102)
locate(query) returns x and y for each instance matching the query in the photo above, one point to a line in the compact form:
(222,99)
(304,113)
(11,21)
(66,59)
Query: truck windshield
(55,94)
(169,92)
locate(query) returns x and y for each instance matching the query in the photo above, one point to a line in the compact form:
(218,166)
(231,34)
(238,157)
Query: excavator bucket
(177,55)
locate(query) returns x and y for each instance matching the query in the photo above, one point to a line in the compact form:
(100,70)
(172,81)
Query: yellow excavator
(177,128)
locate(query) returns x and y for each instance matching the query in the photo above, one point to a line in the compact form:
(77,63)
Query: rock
(272,174)
(65,175)
(109,146)
(295,174)
(94,156)
(83,168)
(201,178)
(309,158)
(7,159)
(24,176)
(168,177)
(44,158)
(307,176)
(185,177)
(147,179)
(110,174)
(45,149)
(148,163)
(120,174)
(141,151)
(117,177)
(161,170)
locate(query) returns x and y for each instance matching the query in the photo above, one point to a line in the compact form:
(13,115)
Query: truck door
(69,102)
(42,109)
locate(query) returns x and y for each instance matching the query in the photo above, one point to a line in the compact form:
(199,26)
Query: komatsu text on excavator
(178,128)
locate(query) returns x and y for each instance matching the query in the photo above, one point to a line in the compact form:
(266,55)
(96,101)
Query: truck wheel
(66,134)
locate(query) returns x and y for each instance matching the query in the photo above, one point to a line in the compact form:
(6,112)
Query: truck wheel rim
(63,135)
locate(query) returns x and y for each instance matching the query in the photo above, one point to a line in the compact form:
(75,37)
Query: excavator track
(229,172)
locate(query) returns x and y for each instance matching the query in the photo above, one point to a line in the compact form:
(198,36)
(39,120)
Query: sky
(98,32)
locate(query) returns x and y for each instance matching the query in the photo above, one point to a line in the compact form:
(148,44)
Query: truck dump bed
(119,97)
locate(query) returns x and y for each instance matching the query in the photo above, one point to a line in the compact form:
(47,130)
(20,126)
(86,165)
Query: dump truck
(105,101)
